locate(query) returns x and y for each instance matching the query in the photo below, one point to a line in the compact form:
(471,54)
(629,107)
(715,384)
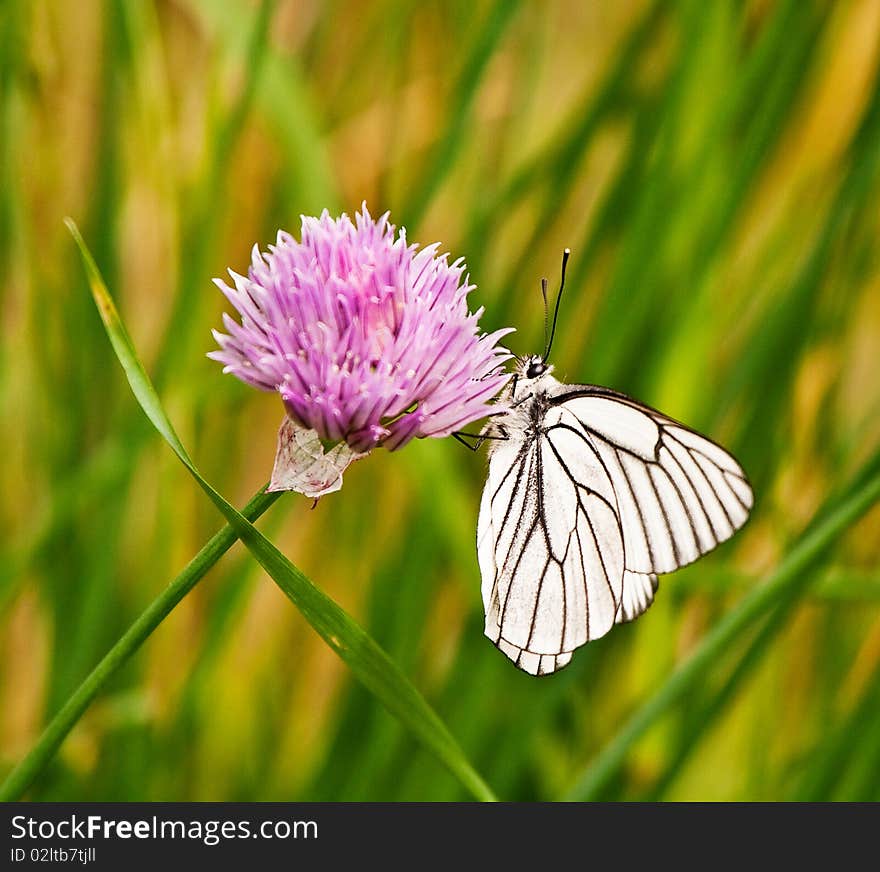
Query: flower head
(367,339)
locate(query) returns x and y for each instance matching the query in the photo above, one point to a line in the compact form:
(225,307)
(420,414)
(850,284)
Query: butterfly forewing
(678,493)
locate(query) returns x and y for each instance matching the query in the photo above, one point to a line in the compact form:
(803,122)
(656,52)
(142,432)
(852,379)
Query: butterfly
(590,495)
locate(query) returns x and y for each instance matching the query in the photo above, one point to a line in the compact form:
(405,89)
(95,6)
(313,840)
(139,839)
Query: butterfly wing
(638,594)
(678,493)
(550,545)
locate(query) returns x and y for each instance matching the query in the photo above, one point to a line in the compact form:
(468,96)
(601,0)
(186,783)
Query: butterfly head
(533,367)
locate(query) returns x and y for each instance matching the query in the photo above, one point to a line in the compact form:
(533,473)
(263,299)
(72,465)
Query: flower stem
(23,775)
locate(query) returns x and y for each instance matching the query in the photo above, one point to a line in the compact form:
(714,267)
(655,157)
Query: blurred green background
(715,169)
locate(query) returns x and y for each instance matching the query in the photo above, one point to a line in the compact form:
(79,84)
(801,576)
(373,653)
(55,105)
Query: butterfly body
(590,495)
(528,400)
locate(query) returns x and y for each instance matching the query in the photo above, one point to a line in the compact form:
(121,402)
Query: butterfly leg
(522,400)
(480,438)
(462,437)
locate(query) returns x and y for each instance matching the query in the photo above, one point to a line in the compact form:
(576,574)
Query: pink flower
(368,340)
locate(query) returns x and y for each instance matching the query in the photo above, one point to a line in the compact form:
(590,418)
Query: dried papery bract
(368,340)
(302,464)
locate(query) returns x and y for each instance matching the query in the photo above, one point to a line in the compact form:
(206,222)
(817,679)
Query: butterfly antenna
(565,256)
(546,311)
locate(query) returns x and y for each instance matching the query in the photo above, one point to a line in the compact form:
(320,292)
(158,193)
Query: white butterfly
(590,495)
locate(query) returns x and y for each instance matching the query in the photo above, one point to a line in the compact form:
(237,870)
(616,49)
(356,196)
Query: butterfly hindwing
(638,595)
(550,545)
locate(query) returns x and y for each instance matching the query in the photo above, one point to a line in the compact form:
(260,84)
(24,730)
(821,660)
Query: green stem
(39,756)
(607,763)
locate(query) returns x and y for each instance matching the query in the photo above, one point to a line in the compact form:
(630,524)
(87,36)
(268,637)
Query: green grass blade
(283,96)
(843,749)
(698,725)
(560,155)
(23,775)
(757,603)
(443,159)
(204,224)
(372,666)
